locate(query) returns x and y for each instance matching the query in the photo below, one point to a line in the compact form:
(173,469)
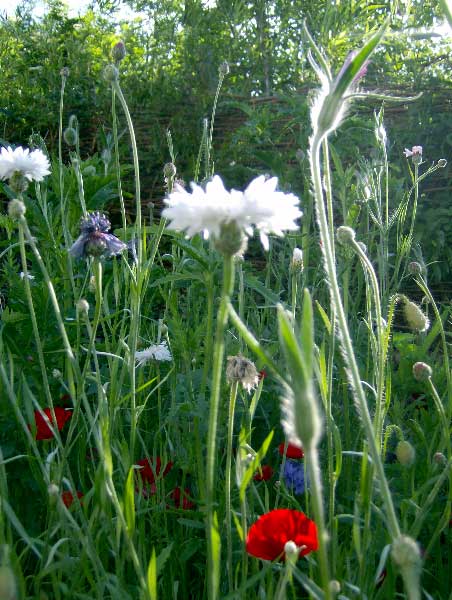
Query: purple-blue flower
(94,239)
(295,477)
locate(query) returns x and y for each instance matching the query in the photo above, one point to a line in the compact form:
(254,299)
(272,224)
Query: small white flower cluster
(33,165)
(260,206)
(159,352)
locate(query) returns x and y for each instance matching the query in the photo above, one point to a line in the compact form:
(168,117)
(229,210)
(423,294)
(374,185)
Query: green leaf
(152,576)
(254,464)
(129,501)
(163,557)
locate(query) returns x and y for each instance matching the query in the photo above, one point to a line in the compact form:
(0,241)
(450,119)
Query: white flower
(33,165)
(259,206)
(29,276)
(415,151)
(158,352)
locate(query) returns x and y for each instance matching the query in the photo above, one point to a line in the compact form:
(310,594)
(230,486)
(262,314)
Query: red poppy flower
(181,499)
(292,451)
(270,533)
(43,431)
(68,498)
(148,474)
(264,473)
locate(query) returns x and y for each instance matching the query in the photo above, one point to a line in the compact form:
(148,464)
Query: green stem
(213,550)
(232,400)
(346,342)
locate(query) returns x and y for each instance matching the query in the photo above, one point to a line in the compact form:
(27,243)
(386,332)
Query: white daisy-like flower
(258,207)
(159,352)
(33,165)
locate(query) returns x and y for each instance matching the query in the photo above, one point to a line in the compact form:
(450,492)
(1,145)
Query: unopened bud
(442,163)
(335,586)
(439,458)
(16,209)
(414,316)
(414,268)
(422,371)
(291,550)
(18,183)
(405,453)
(406,552)
(224,68)
(231,240)
(111,73)
(363,246)
(345,235)
(65,72)
(82,307)
(118,51)
(169,170)
(89,171)
(57,374)
(70,136)
(297,260)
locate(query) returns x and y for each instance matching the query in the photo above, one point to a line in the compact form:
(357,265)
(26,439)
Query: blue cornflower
(94,239)
(295,477)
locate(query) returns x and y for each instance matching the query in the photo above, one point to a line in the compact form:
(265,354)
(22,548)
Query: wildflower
(148,474)
(29,276)
(215,211)
(34,165)
(415,154)
(68,498)
(422,371)
(295,477)
(94,239)
(268,536)
(159,352)
(292,450)
(414,316)
(43,419)
(415,268)
(241,370)
(265,473)
(297,260)
(405,453)
(181,499)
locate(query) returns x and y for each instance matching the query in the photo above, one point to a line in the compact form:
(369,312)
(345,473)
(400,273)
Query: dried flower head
(94,239)
(241,370)
(159,352)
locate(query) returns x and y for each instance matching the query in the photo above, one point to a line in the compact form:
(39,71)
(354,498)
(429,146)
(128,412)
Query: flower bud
(422,371)
(231,240)
(297,260)
(335,586)
(111,73)
(18,183)
(439,458)
(414,268)
(406,552)
(82,306)
(16,209)
(89,171)
(70,136)
(169,170)
(442,163)
(224,68)
(414,316)
(118,51)
(405,453)
(57,374)
(345,235)
(291,550)
(65,72)
(8,586)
